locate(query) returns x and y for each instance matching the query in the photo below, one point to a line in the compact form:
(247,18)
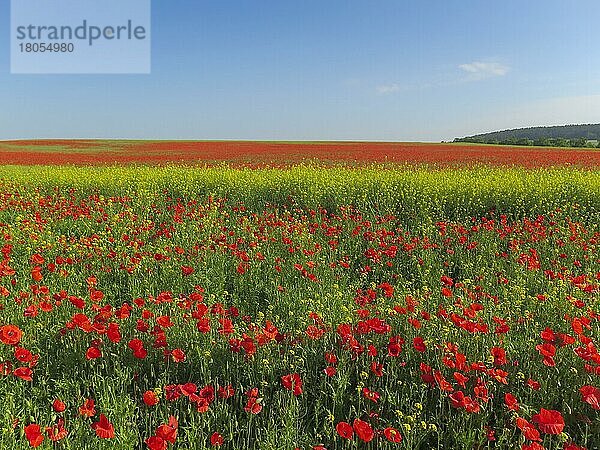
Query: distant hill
(587,135)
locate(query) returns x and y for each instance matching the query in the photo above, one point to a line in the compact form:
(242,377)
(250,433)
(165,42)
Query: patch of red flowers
(10,334)
(103,428)
(165,434)
(292,382)
(549,421)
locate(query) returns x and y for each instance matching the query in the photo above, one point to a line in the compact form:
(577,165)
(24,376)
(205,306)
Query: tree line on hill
(555,136)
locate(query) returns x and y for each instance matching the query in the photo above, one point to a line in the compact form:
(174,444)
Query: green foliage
(554,136)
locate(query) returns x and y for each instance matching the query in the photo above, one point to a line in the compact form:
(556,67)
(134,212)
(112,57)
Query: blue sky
(426,70)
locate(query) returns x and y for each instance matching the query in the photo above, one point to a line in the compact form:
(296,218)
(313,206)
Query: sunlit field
(267,154)
(303,307)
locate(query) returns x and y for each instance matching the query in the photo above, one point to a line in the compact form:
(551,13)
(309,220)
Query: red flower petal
(344,430)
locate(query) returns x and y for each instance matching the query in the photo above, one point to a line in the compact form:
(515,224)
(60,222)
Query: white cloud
(387,89)
(478,70)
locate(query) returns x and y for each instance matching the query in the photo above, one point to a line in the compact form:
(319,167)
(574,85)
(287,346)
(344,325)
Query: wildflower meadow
(299,308)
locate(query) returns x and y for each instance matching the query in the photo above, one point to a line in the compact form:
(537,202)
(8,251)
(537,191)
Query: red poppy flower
(23,355)
(549,421)
(330,371)
(511,402)
(392,435)
(377,368)
(292,382)
(344,430)
(203,325)
(226,327)
(187,270)
(388,289)
(331,358)
(499,375)
(457,399)
(36,273)
(164,321)
(447,280)
(499,355)
(134,344)
(103,428)
(96,295)
(481,393)
(216,440)
(168,432)
(88,408)
(207,393)
(33,433)
(528,430)
(547,351)
(10,334)
(178,355)
(370,395)
(414,322)
(226,391)
(37,259)
(141,326)
(253,406)
(533,446)
(156,443)
(160,341)
(93,353)
(242,268)
(419,344)
(138,348)
(150,398)
(202,405)
(591,396)
(113,333)
(394,349)
(442,382)
(77,302)
(57,432)
(471,405)
(314,332)
(188,389)
(460,379)
(23,373)
(548,335)
(58,405)
(363,430)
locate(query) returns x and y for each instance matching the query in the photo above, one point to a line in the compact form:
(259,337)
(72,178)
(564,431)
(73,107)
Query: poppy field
(268,154)
(299,308)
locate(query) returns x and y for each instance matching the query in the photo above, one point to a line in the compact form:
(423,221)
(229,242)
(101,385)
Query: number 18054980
(57,47)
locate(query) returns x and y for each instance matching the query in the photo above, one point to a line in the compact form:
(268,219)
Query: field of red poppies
(303,308)
(251,153)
